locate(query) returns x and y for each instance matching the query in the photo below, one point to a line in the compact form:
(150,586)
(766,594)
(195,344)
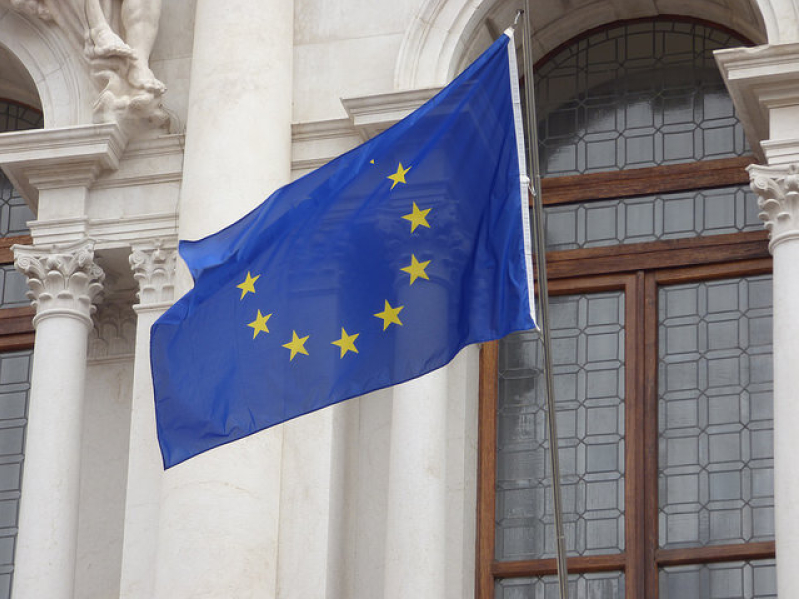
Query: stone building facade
(130,124)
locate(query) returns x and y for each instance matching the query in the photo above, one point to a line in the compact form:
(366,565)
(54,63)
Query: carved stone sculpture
(62,280)
(114,333)
(154,268)
(777,188)
(117,37)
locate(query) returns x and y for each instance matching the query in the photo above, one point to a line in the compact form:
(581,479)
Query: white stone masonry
(64,283)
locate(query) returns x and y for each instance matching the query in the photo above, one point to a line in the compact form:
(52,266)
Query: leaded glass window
(714,413)
(731,580)
(636,95)
(16,339)
(588,362)
(604,585)
(661,323)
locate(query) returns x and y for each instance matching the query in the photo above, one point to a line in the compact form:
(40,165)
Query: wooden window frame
(16,324)
(637,269)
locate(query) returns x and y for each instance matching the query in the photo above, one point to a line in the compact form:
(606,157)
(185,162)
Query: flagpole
(543,299)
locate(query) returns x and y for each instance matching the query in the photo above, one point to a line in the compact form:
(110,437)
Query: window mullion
(650,428)
(635,512)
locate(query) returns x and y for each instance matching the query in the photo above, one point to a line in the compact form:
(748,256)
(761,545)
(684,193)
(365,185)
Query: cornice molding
(64,281)
(760,79)
(110,232)
(777,188)
(371,115)
(72,156)
(316,143)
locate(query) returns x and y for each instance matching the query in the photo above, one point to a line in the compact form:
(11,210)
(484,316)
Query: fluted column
(219,517)
(153,267)
(778,191)
(64,282)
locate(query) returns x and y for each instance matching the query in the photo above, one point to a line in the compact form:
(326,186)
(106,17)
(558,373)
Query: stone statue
(117,37)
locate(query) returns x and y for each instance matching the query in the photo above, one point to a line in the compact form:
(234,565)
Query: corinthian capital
(63,280)
(154,268)
(777,188)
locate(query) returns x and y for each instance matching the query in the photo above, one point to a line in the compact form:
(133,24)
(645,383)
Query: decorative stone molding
(154,268)
(371,115)
(763,81)
(116,39)
(777,188)
(41,159)
(64,281)
(317,143)
(114,332)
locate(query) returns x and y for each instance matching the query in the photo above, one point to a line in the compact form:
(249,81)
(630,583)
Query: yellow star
(248,286)
(416,269)
(296,345)
(390,315)
(259,324)
(418,217)
(399,176)
(346,343)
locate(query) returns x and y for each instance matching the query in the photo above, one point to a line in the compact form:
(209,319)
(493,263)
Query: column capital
(63,280)
(777,188)
(153,266)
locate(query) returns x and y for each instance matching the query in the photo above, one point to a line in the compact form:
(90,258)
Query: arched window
(16,341)
(661,327)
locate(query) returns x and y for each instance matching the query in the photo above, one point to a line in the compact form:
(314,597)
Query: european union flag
(372,270)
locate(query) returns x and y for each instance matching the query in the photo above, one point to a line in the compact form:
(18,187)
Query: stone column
(778,190)
(153,267)
(64,282)
(416,521)
(219,518)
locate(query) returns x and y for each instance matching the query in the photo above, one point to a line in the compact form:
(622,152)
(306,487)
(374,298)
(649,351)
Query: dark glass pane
(636,95)
(14,212)
(715,413)
(588,369)
(731,580)
(677,215)
(604,585)
(15,368)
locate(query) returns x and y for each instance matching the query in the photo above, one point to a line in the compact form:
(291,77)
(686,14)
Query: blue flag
(372,270)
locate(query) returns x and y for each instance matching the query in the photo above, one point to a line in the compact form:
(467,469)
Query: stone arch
(781,19)
(445,35)
(56,71)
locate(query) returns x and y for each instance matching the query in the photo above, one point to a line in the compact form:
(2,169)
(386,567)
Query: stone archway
(63,88)
(445,35)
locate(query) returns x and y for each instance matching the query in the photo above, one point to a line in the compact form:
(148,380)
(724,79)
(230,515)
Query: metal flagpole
(543,298)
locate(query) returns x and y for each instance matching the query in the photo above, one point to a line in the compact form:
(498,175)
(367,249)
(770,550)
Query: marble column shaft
(778,191)
(64,282)
(219,516)
(154,268)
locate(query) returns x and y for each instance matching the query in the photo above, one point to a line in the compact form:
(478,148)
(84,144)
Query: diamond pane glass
(715,412)
(732,580)
(14,212)
(588,369)
(604,585)
(652,218)
(13,287)
(15,370)
(640,94)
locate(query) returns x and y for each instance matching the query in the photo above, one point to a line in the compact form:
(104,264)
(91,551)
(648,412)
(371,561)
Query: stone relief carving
(117,37)
(777,188)
(114,332)
(154,269)
(63,280)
